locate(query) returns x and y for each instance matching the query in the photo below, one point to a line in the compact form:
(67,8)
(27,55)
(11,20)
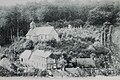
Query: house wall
(28,37)
(51,63)
(24,60)
(38,62)
(44,37)
(33,38)
(54,35)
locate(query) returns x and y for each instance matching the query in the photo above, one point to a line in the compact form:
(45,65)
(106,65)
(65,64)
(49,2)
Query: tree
(102,13)
(28,44)
(62,63)
(77,23)
(52,43)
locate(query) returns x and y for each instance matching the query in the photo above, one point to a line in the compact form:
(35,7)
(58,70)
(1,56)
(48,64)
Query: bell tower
(32,25)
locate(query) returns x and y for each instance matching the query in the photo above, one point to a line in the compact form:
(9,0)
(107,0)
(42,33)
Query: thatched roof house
(85,62)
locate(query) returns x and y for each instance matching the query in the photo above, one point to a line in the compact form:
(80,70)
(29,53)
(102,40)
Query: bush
(28,44)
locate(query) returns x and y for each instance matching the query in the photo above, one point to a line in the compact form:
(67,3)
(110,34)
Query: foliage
(15,20)
(14,50)
(104,12)
(28,44)
(77,23)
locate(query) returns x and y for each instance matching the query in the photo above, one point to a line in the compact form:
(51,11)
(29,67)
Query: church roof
(40,30)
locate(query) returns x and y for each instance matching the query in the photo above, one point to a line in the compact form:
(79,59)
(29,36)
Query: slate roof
(26,54)
(40,30)
(40,53)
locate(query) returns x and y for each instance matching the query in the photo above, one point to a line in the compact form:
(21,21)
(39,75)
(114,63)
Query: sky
(14,2)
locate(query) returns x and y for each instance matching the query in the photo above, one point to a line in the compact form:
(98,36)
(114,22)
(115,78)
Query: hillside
(75,42)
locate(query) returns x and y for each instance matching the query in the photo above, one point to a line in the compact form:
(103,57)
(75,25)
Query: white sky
(14,2)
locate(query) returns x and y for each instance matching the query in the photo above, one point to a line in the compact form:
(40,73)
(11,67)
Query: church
(43,33)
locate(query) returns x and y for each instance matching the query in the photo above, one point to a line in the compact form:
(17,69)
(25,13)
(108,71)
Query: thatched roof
(6,64)
(86,62)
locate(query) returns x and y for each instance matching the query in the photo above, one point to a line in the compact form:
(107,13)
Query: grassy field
(65,78)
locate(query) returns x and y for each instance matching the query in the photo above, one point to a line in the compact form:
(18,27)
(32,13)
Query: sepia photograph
(59,39)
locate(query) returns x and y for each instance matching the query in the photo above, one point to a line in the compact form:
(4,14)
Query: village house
(44,33)
(24,57)
(39,59)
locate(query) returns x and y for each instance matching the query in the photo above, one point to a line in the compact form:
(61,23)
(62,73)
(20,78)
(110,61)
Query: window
(46,36)
(41,37)
(37,64)
(21,59)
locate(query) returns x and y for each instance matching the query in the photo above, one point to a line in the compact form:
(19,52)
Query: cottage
(43,33)
(38,59)
(86,62)
(24,57)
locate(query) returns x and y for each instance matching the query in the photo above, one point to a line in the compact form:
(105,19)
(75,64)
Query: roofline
(31,54)
(44,34)
(40,56)
(56,31)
